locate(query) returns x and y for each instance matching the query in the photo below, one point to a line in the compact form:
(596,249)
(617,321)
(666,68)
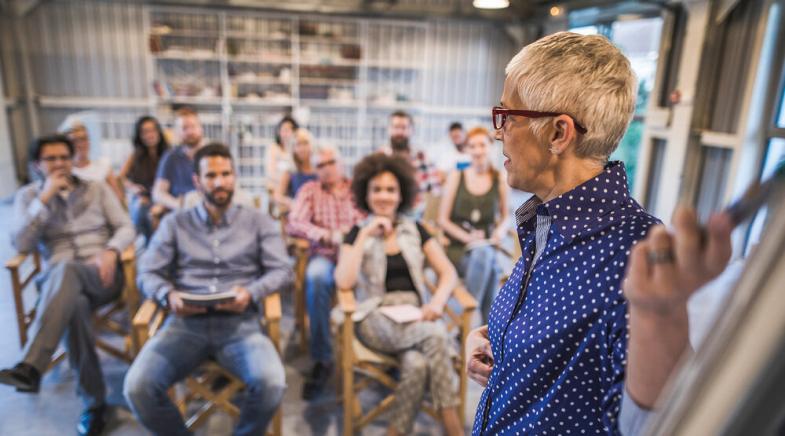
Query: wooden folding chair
(201,384)
(300,249)
(25,267)
(368,366)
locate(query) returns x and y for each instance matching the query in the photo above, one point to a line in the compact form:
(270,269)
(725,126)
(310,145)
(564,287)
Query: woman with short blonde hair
(552,357)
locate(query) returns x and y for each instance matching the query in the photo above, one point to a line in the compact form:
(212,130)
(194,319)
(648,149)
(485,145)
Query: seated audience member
(400,129)
(386,255)
(138,172)
(322,212)
(85,168)
(241,196)
(556,333)
(80,229)
(455,157)
(174,178)
(277,157)
(213,247)
(292,181)
(473,214)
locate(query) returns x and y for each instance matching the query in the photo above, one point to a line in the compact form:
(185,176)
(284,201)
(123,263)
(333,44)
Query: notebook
(402,313)
(206,300)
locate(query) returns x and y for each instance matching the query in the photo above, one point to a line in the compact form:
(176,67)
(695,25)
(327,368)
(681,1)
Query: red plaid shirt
(428,177)
(316,213)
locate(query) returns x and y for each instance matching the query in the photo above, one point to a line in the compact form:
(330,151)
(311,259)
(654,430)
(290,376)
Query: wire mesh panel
(259,55)
(395,61)
(186,48)
(252,133)
(330,56)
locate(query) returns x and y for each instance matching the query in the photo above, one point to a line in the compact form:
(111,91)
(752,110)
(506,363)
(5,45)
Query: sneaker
(92,421)
(316,382)
(24,377)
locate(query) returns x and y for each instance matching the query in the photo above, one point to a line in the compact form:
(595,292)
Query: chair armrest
(144,316)
(346,301)
(464,298)
(146,322)
(129,254)
(300,243)
(16,261)
(272,307)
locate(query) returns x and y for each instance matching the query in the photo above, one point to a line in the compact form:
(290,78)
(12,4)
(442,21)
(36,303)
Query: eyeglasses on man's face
(325,164)
(500,114)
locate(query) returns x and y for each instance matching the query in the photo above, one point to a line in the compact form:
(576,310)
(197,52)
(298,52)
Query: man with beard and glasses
(401,129)
(216,246)
(173,179)
(80,229)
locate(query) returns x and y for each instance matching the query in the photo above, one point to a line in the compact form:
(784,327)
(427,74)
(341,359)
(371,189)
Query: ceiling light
(555,11)
(491,4)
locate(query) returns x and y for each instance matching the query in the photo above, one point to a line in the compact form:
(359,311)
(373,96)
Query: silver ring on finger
(659,256)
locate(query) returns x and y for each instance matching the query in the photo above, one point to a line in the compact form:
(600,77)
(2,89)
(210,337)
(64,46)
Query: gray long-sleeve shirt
(77,227)
(189,253)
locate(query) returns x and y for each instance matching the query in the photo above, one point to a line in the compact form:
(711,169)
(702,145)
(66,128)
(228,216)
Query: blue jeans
(481,273)
(319,290)
(139,209)
(237,344)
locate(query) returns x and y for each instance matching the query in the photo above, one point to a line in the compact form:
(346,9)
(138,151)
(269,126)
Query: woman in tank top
(473,214)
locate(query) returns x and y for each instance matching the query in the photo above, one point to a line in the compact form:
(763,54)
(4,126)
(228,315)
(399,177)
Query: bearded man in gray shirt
(214,247)
(80,228)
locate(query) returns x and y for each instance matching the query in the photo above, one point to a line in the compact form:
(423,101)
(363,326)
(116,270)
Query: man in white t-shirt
(452,156)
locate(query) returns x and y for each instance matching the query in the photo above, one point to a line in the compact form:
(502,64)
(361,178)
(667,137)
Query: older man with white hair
(552,357)
(322,212)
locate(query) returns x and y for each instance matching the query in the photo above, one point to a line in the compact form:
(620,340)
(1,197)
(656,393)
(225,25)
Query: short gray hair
(586,77)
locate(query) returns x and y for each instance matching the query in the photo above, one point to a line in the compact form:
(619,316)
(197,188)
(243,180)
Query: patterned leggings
(423,349)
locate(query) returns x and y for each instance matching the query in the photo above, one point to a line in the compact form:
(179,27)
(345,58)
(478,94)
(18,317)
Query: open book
(402,313)
(206,300)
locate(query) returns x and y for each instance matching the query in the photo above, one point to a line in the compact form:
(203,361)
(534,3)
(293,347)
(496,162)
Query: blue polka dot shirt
(558,328)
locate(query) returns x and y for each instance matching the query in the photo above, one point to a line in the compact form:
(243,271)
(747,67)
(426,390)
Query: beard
(399,143)
(210,197)
(192,141)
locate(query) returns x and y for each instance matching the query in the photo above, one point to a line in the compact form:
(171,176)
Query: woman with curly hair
(391,250)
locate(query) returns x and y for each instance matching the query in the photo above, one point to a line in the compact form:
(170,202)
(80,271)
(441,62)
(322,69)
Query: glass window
(775,155)
(656,169)
(781,120)
(640,41)
(715,163)
(585,30)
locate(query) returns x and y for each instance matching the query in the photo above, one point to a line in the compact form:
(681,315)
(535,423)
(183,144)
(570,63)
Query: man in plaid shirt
(322,212)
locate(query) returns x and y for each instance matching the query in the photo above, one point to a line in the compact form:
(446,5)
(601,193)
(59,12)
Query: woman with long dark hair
(138,172)
(277,157)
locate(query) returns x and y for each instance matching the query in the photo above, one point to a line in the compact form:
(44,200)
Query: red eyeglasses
(500,117)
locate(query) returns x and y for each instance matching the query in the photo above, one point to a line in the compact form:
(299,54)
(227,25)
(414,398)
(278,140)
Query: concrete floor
(55,410)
